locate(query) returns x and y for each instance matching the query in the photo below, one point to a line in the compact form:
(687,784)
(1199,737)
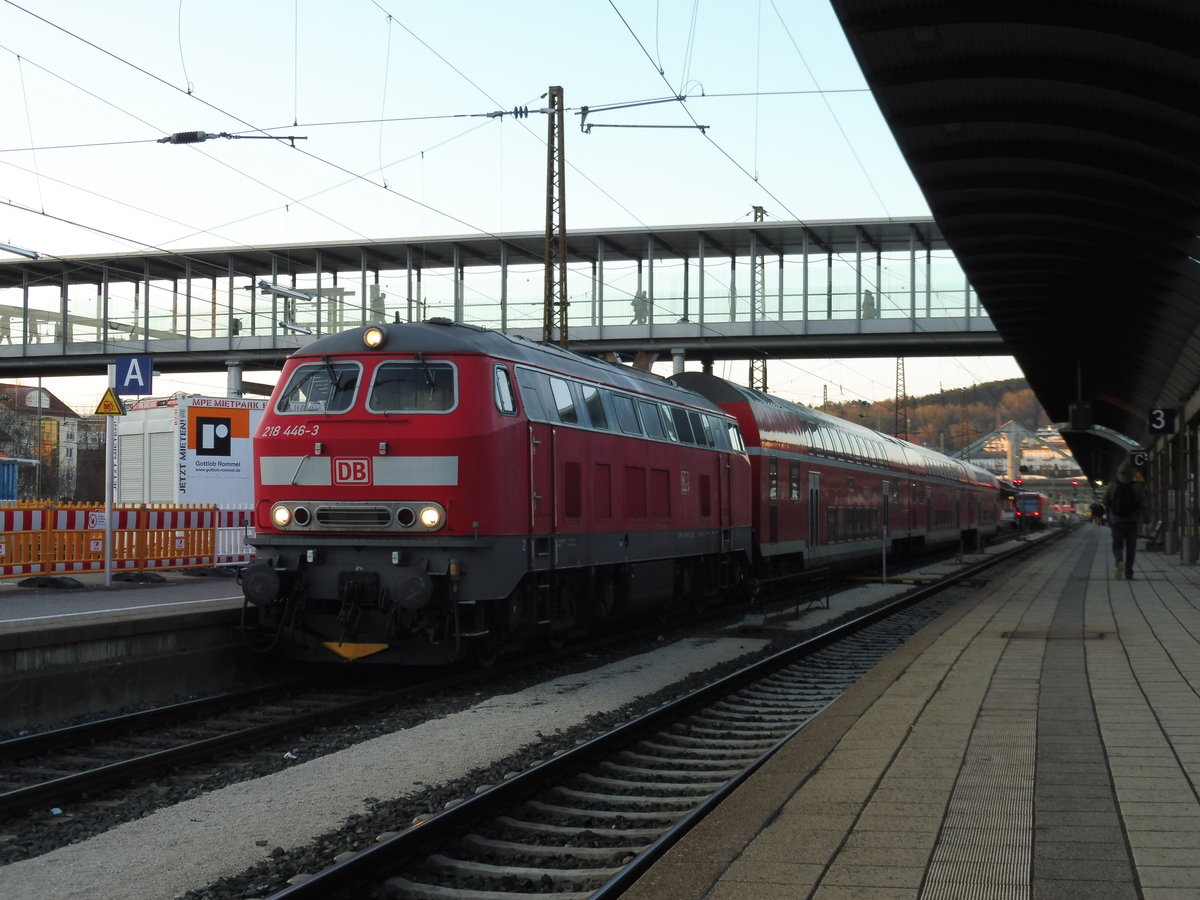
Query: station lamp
(285,291)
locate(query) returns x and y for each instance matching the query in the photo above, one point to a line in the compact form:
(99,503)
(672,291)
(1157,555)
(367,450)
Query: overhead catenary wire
(435,205)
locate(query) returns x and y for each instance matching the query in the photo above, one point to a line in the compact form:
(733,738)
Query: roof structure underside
(1056,142)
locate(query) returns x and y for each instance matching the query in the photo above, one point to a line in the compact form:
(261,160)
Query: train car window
(773,479)
(794,480)
(564,402)
(683,425)
(700,429)
(417,386)
(506,401)
(652,420)
(531,397)
(323,387)
(626,414)
(593,400)
(818,441)
(861,453)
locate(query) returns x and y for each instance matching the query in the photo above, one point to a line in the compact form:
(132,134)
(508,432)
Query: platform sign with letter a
(135,375)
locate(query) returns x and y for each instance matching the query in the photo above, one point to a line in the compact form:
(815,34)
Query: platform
(89,649)
(1040,742)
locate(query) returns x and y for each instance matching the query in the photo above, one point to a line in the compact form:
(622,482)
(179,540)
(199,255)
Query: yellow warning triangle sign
(110,404)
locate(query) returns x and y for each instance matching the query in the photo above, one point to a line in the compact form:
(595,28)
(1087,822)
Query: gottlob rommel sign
(189,449)
(214,442)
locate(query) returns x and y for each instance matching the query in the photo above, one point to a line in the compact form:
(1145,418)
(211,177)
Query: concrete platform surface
(1042,742)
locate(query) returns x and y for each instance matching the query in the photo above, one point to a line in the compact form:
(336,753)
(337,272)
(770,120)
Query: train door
(911,505)
(885,526)
(814,510)
(773,500)
(541,494)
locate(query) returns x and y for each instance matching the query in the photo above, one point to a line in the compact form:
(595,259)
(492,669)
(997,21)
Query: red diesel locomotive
(435,491)
(427,492)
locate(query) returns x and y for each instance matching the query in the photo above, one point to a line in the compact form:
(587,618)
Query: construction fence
(52,538)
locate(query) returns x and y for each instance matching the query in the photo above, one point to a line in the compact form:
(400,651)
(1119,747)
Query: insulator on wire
(186,137)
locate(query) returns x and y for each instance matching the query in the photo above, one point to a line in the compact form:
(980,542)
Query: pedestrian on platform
(1097,513)
(1123,501)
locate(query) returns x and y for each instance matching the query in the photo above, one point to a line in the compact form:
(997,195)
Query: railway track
(53,768)
(590,821)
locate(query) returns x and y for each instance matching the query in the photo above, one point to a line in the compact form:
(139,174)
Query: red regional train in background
(434,491)
(1031,510)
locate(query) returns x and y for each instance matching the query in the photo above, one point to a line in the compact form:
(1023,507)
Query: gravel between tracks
(224,832)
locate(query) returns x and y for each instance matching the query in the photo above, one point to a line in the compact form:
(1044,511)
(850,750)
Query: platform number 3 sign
(1161,421)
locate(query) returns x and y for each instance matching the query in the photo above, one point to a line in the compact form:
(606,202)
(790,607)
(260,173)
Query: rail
(56,539)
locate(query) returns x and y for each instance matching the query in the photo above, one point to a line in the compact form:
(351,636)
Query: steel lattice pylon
(554,319)
(758,365)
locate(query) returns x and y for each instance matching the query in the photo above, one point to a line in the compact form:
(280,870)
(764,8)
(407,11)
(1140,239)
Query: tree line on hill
(937,420)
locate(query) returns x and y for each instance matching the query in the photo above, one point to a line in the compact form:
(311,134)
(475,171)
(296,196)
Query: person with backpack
(1123,500)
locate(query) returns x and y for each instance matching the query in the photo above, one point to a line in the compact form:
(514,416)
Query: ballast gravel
(182,848)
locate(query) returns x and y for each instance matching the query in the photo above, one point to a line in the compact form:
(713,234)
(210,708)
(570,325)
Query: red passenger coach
(427,492)
(831,492)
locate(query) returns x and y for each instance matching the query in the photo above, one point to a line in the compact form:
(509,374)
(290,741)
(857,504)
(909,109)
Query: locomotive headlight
(281,516)
(431,516)
(374,337)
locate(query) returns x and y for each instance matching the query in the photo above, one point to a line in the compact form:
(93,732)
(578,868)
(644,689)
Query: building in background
(38,427)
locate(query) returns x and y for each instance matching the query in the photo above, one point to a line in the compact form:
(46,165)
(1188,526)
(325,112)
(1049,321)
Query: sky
(373,120)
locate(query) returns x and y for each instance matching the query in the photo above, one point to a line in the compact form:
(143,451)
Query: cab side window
(506,401)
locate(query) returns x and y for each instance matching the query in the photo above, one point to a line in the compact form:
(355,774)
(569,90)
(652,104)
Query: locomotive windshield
(320,387)
(418,386)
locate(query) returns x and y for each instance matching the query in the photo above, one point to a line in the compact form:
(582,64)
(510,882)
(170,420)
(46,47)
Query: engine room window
(683,426)
(735,438)
(652,420)
(321,387)
(530,395)
(564,401)
(505,401)
(417,386)
(595,407)
(626,415)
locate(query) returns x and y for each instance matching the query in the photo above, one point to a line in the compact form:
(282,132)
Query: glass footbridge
(866,288)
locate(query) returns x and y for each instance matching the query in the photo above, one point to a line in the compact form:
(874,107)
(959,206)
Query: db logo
(352,471)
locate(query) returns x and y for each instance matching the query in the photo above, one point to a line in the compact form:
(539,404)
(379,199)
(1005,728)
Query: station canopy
(1056,142)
